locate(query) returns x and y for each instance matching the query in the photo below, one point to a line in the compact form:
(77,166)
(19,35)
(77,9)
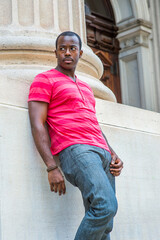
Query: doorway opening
(101,37)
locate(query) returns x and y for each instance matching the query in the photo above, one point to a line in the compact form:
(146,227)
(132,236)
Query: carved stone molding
(134,34)
(134,24)
(139,39)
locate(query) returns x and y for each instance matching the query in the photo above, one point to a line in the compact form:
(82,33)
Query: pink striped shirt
(71,114)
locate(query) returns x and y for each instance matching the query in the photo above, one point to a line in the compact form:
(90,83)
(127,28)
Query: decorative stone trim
(134,24)
(141,39)
(134,34)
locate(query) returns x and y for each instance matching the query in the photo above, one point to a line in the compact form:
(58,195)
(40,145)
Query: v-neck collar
(66,75)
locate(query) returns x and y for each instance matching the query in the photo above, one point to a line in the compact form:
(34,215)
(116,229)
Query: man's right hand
(38,116)
(56,181)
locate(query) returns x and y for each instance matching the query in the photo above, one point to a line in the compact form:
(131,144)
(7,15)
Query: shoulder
(41,88)
(47,76)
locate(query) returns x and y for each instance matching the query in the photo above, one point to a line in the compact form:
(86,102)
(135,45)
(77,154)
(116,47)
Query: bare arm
(38,116)
(116,163)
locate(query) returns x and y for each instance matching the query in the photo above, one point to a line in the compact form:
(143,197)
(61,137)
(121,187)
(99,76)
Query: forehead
(68,40)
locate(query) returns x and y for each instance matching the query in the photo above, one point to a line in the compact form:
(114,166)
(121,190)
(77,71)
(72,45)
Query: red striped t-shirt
(71,113)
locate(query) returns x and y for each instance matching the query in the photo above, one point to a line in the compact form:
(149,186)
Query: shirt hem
(38,100)
(68,145)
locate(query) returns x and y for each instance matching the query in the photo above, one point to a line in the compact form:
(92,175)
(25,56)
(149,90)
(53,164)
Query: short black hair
(69,33)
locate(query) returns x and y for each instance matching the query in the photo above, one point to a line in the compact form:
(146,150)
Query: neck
(69,73)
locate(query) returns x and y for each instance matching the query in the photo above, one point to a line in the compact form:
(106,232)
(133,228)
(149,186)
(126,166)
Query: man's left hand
(116,165)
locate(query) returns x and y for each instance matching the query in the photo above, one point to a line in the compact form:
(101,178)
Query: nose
(67,52)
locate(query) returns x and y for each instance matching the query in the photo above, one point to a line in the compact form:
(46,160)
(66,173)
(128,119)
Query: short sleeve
(40,89)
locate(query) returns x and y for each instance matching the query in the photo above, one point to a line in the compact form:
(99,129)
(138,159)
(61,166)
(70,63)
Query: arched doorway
(101,37)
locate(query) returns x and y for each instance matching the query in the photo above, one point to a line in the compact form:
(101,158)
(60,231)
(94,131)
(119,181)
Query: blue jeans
(87,167)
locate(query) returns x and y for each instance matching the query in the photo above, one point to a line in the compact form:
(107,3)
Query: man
(64,106)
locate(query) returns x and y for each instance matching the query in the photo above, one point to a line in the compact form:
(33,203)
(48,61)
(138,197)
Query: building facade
(134,25)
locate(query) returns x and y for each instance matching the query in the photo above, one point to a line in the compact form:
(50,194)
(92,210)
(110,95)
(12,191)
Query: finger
(118,163)
(60,188)
(114,157)
(115,169)
(52,187)
(116,174)
(63,187)
(55,187)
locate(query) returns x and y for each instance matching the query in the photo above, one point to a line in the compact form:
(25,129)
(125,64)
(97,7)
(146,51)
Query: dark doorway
(101,37)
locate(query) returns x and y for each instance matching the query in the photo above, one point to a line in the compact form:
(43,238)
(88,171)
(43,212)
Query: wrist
(112,151)
(55,169)
(50,162)
(51,168)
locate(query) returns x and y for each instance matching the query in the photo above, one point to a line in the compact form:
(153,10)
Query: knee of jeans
(113,207)
(105,208)
(109,227)
(110,211)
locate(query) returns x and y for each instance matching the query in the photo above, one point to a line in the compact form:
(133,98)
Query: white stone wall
(135,136)
(30,211)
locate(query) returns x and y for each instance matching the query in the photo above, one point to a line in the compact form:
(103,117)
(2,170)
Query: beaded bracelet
(52,168)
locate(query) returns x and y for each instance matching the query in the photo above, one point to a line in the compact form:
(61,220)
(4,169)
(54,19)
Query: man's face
(68,52)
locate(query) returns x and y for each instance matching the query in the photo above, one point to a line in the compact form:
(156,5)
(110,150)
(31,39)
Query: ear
(80,53)
(55,51)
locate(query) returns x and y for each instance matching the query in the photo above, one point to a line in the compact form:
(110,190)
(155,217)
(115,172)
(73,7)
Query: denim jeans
(87,167)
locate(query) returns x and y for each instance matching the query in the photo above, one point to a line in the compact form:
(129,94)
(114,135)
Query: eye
(62,49)
(73,48)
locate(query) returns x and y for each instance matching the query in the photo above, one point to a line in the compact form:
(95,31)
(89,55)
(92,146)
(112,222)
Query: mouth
(68,60)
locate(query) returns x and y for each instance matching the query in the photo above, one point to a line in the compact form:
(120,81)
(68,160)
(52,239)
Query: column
(27,42)
(155,19)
